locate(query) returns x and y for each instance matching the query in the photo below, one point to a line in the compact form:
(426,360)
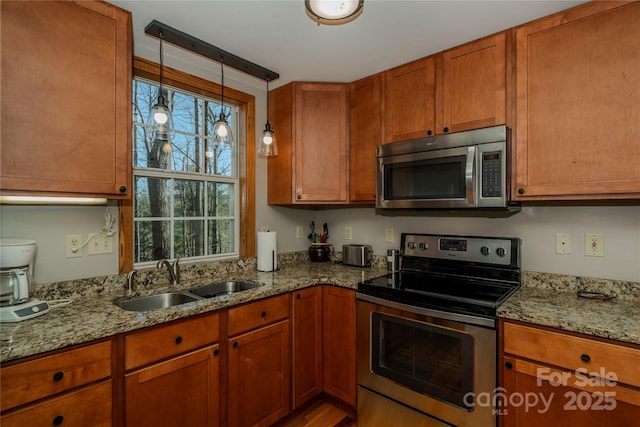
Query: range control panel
(491,250)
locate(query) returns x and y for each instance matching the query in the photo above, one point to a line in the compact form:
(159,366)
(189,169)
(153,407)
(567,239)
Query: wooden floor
(319,413)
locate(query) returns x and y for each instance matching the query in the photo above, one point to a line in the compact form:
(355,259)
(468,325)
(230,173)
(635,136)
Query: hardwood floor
(319,413)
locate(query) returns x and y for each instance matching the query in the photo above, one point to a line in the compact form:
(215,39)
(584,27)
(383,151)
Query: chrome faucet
(130,278)
(173,269)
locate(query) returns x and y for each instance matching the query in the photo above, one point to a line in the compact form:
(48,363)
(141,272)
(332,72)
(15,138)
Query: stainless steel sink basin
(222,288)
(154,302)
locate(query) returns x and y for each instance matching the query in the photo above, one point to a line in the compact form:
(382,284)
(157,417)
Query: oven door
(429,179)
(432,365)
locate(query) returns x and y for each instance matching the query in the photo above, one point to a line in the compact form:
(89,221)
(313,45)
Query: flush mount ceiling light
(333,12)
(268,143)
(221,129)
(160,122)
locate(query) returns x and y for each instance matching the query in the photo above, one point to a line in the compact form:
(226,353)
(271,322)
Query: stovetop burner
(464,274)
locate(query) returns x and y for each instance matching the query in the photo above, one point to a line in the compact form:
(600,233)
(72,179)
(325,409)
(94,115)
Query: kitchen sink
(222,288)
(154,302)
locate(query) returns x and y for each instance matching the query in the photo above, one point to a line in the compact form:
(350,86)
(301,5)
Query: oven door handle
(469,175)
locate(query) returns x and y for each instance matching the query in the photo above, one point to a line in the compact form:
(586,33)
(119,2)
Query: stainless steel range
(426,339)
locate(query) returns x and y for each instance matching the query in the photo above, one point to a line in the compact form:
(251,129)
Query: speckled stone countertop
(92,314)
(552,300)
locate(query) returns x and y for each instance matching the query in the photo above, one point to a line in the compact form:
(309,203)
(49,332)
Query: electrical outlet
(594,244)
(100,244)
(299,232)
(348,233)
(563,243)
(388,235)
(72,247)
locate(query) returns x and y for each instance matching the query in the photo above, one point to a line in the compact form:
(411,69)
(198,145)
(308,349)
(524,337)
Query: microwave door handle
(469,175)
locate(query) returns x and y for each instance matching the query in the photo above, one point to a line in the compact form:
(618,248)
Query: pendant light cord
(161,63)
(268,101)
(223,116)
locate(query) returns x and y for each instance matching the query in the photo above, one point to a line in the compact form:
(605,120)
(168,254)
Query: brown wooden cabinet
(66,99)
(578,104)
(339,343)
(73,387)
(310,121)
(259,385)
(365,134)
(306,340)
(555,378)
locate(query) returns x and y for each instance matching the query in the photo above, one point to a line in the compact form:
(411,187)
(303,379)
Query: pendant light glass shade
(268,143)
(160,122)
(221,129)
(333,12)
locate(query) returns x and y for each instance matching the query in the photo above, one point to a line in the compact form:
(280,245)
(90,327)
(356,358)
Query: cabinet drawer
(90,406)
(572,352)
(28,381)
(257,314)
(155,344)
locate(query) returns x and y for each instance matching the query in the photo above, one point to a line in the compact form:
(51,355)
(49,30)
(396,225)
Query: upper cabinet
(365,133)
(460,89)
(578,104)
(310,121)
(66,99)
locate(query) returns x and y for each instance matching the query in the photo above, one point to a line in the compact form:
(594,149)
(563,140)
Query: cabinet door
(259,376)
(66,98)
(339,343)
(409,100)
(182,391)
(578,104)
(320,142)
(474,80)
(365,126)
(532,400)
(307,344)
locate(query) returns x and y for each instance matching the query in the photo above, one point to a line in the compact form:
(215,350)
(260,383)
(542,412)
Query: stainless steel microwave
(463,170)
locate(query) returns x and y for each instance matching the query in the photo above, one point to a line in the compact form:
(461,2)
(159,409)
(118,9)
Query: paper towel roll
(267,251)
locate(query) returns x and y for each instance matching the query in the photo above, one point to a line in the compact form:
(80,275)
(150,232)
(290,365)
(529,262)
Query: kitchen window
(191,202)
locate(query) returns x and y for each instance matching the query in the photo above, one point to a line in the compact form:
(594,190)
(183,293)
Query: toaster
(357,255)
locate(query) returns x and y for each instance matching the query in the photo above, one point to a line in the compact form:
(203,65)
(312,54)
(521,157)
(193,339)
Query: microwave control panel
(492,174)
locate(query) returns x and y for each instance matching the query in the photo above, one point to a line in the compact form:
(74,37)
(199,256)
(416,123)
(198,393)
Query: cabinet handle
(58,420)
(58,376)
(122,189)
(585,358)
(235,344)
(509,365)
(263,314)
(429,132)
(178,339)
(298,296)
(299,197)
(520,190)
(446,129)
(216,352)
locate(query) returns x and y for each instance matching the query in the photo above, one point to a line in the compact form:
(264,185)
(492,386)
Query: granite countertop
(552,300)
(92,314)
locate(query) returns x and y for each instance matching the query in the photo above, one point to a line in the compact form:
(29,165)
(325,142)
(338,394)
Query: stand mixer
(16,281)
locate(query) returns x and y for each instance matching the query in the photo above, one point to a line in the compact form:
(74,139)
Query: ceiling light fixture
(333,12)
(160,122)
(268,143)
(221,129)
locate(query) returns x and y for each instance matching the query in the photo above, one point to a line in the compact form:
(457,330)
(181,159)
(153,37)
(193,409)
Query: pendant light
(333,12)
(268,143)
(160,122)
(221,129)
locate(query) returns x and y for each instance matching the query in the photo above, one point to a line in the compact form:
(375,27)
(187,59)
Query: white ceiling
(278,35)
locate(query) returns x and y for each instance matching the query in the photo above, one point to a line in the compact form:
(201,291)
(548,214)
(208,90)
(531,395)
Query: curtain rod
(190,43)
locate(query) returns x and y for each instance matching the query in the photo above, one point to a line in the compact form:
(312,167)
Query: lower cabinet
(554,378)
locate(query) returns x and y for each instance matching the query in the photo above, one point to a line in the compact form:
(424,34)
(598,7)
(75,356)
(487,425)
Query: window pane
(145,96)
(188,198)
(151,240)
(221,236)
(219,159)
(151,197)
(184,153)
(188,238)
(186,112)
(220,199)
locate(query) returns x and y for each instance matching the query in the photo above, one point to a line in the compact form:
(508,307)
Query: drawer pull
(58,376)
(263,314)
(235,344)
(178,339)
(58,420)
(585,358)
(509,365)
(216,352)
(298,296)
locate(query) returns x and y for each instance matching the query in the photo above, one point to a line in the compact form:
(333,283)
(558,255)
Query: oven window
(426,179)
(426,358)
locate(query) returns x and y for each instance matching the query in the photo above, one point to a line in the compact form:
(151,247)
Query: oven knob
(485,250)
(424,246)
(411,245)
(501,252)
